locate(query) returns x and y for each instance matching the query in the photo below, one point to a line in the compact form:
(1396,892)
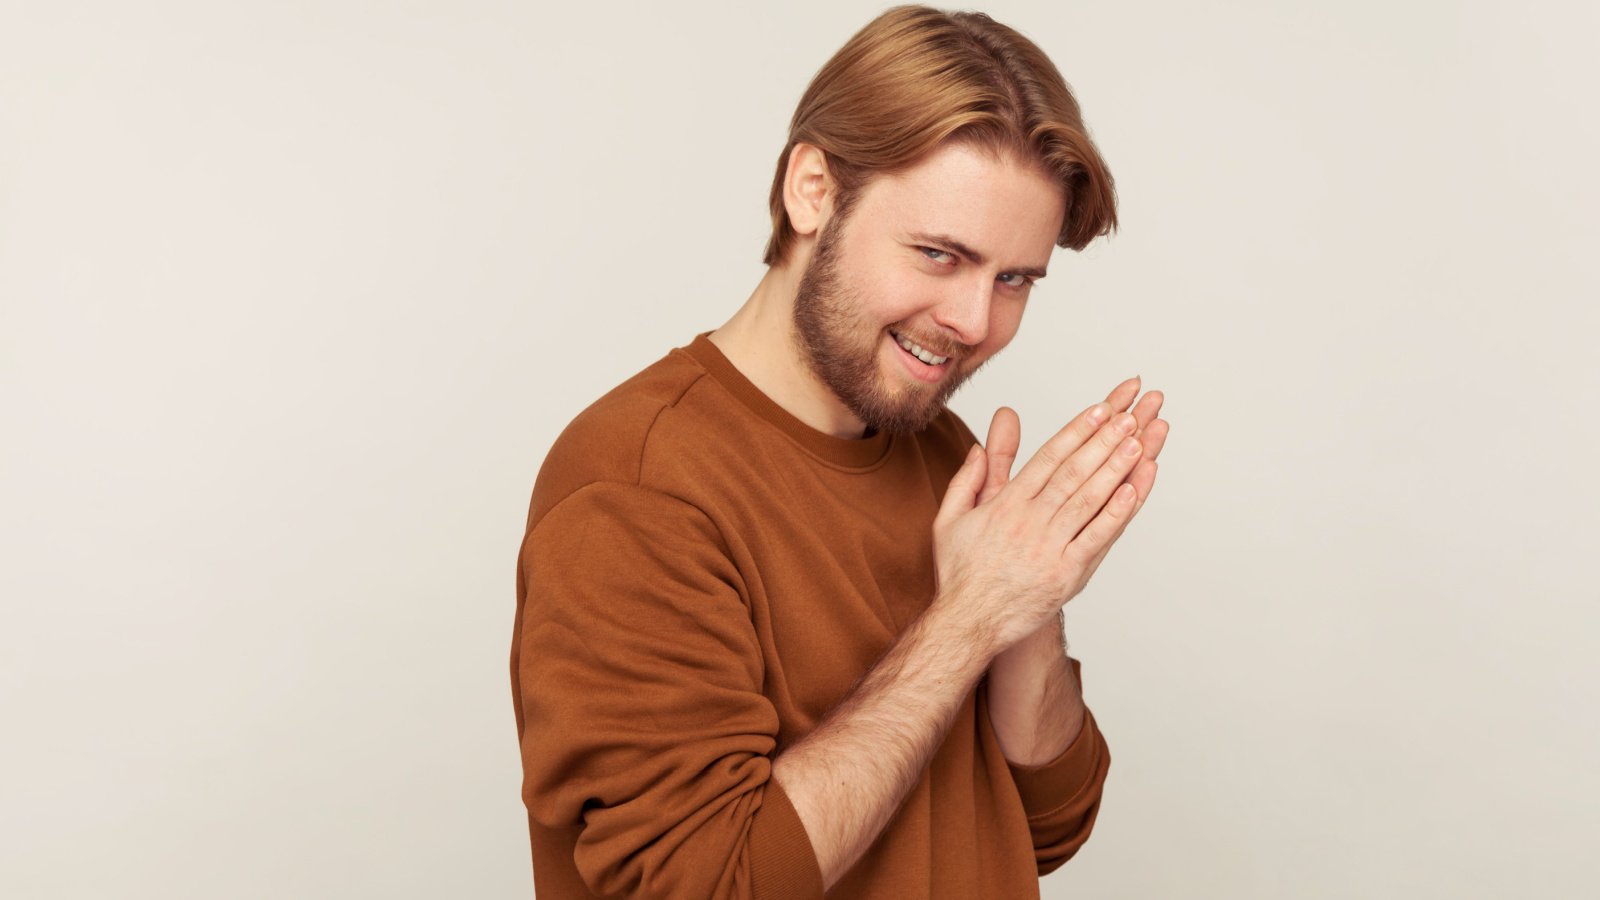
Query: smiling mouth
(920,353)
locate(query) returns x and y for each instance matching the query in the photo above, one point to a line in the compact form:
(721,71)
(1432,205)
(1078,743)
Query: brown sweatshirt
(702,579)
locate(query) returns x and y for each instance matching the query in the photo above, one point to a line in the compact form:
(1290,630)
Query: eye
(1026,281)
(926,251)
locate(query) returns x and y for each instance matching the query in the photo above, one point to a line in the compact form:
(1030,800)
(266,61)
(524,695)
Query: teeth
(920,353)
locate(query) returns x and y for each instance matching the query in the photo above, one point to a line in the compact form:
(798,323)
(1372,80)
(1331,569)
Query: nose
(967,313)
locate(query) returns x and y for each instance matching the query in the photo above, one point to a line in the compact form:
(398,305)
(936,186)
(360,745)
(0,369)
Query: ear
(808,188)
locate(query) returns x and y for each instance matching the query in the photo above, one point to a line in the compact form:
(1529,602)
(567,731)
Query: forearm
(847,778)
(1035,701)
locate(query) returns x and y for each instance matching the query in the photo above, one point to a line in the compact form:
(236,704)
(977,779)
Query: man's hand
(1005,437)
(1010,552)
(1035,701)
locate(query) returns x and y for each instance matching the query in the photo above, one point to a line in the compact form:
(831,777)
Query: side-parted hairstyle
(916,77)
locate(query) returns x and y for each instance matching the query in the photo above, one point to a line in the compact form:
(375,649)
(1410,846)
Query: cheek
(1005,319)
(895,296)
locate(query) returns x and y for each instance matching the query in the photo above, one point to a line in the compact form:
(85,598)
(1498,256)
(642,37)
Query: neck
(761,342)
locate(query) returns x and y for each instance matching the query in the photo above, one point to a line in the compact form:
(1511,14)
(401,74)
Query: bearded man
(783,625)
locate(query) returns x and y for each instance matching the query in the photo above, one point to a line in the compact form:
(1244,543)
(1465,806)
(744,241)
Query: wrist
(950,617)
(1043,643)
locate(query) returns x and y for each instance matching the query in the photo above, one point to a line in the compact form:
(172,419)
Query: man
(783,626)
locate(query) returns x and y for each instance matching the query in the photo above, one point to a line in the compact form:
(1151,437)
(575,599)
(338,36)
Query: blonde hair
(916,77)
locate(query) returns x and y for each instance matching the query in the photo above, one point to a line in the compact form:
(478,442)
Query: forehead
(1009,211)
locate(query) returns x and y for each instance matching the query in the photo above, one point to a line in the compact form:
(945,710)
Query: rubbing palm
(1005,437)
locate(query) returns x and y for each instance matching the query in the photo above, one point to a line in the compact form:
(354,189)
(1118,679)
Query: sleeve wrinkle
(646,722)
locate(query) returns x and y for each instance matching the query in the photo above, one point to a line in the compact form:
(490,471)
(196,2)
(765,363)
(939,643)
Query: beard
(842,348)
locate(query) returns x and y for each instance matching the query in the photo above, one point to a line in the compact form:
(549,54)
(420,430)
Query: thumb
(962,493)
(1005,434)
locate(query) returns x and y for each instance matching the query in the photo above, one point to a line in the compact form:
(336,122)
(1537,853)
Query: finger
(1152,434)
(1089,498)
(1084,462)
(1142,476)
(1037,471)
(1123,394)
(1102,530)
(1147,407)
(962,492)
(1100,555)
(1093,565)
(1154,437)
(1148,484)
(1005,436)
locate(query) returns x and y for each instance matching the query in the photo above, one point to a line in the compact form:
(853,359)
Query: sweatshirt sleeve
(644,722)
(1062,797)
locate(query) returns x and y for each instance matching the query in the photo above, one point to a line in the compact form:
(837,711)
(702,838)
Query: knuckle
(1100,526)
(1118,514)
(1048,455)
(1093,518)
(1077,554)
(1076,507)
(1069,471)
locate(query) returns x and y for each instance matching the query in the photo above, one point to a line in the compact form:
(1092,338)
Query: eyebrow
(969,253)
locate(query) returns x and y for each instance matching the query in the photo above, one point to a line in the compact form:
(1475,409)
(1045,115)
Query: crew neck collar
(846,452)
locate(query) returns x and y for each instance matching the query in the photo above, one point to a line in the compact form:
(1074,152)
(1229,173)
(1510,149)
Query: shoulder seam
(644,443)
(722,538)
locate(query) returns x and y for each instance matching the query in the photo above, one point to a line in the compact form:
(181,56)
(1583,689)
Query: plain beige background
(296,296)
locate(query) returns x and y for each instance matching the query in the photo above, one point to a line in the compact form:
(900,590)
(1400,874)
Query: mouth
(921,362)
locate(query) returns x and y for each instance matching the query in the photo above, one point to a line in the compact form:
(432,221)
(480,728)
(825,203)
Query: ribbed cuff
(783,866)
(1048,786)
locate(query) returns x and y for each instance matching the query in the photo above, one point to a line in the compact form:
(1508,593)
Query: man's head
(940,257)
(932,166)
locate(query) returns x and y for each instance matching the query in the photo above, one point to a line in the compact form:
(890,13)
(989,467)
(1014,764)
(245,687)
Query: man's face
(892,271)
